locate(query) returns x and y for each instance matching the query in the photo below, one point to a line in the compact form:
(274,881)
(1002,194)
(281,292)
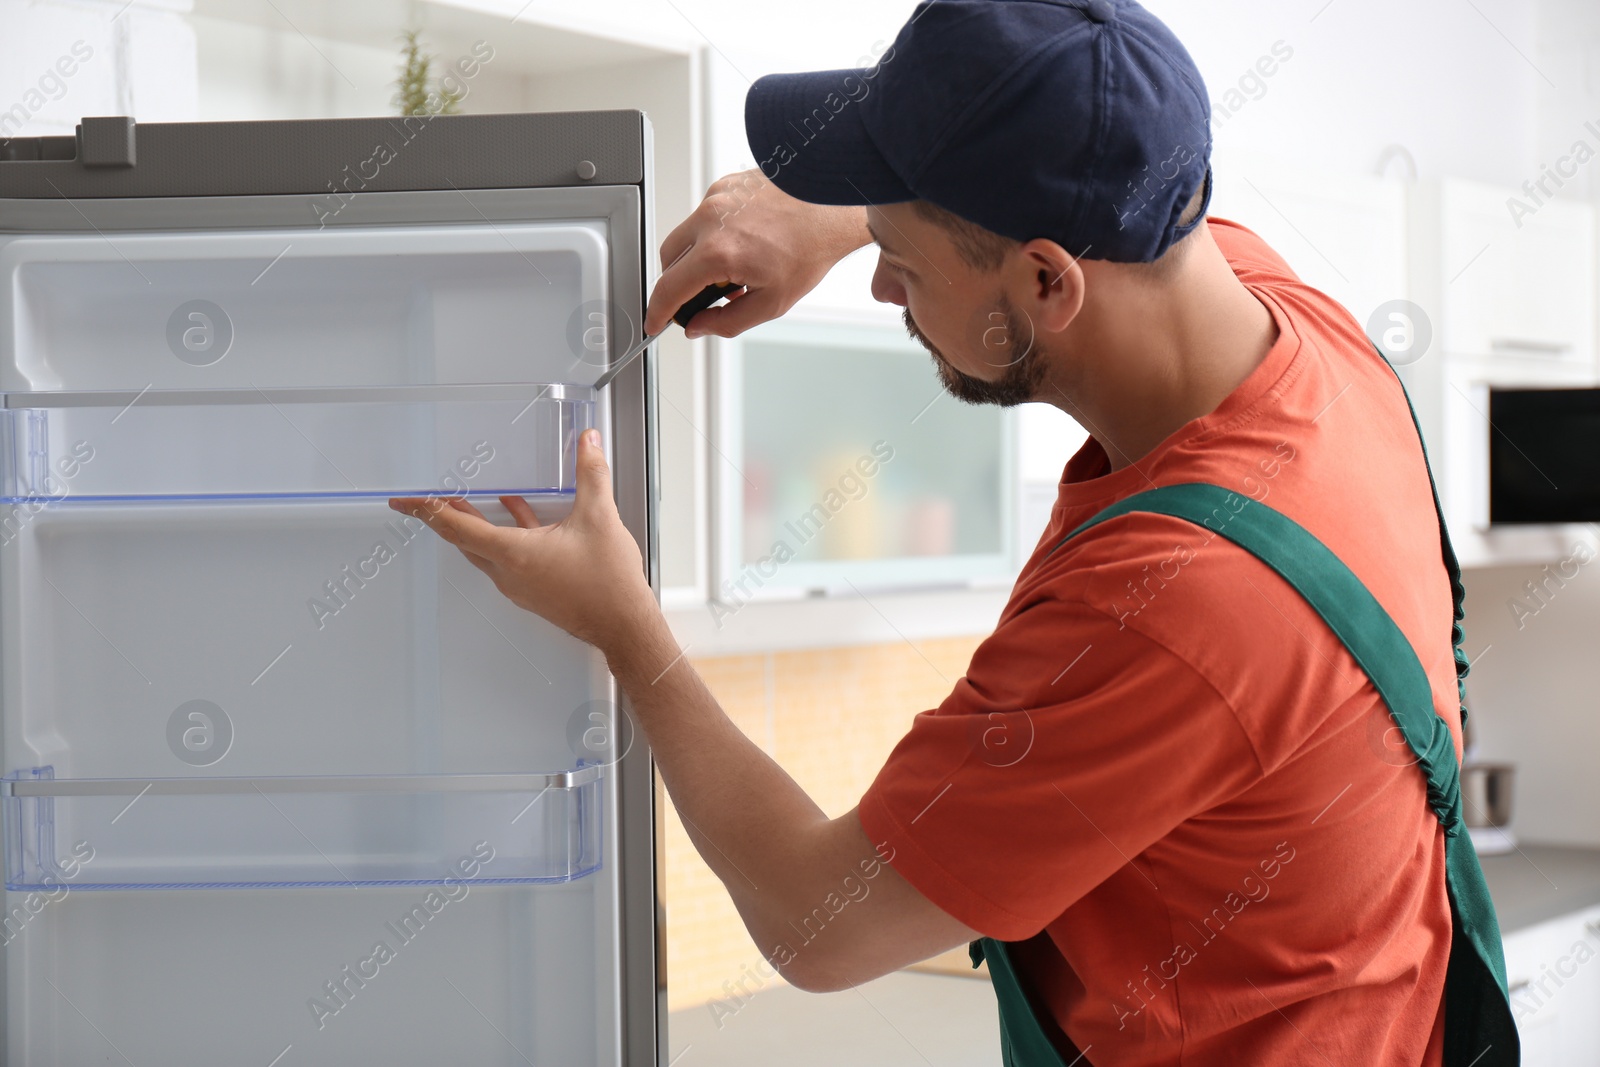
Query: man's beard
(1023,375)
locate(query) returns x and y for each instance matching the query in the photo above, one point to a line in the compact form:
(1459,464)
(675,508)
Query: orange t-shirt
(1163,762)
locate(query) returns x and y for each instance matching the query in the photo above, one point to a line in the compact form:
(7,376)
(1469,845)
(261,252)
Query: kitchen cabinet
(1503,276)
(1342,234)
(1508,297)
(1553,975)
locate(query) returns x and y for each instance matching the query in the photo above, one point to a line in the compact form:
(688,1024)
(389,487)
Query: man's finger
(677,285)
(521,511)
(461,503)
(679,241)
(742,311)
(470,533)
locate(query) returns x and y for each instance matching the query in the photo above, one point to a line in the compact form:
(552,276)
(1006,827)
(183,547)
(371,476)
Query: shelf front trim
(361,783)
(373,394)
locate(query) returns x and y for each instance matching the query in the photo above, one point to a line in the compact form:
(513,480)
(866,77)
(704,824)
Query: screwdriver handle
(704,299)
(707,296)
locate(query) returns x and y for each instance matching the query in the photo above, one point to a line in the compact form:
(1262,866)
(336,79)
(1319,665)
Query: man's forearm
(844,229)
(756,828)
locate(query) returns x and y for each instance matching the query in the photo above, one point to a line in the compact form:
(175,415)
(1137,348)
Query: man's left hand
(584,573)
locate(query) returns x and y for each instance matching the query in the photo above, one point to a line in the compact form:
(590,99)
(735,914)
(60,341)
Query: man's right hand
(750,232)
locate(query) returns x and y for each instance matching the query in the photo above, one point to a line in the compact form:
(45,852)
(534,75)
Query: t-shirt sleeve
(1070,747)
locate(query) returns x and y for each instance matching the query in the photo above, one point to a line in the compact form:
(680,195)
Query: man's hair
(979,248)
(984,250)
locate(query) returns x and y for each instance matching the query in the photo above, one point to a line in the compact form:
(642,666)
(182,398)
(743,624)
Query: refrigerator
(286,781)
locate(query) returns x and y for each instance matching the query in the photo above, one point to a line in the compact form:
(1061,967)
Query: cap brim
(810,139)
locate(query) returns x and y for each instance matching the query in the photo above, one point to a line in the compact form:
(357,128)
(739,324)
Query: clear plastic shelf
(259,444)
(293,832)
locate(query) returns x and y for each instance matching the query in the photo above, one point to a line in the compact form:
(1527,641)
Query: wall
(1568,56)
(1442,78)
(252,73)
(1531,632)
(60,62)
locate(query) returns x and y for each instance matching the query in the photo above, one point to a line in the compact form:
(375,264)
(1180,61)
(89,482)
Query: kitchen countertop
(1540,882)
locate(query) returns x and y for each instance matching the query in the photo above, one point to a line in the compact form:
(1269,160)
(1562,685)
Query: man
(1163,778)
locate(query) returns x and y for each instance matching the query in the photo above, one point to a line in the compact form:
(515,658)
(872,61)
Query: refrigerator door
(286,779)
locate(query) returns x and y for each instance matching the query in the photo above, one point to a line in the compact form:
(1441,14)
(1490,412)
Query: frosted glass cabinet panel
(285,778)
(846,463)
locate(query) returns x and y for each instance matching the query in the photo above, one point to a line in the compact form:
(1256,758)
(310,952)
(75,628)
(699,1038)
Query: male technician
(1162,777)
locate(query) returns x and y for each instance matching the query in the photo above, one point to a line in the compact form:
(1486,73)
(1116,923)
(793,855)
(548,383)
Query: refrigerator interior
(290,778)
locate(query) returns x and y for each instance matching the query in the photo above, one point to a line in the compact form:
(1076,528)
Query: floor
(915,1020)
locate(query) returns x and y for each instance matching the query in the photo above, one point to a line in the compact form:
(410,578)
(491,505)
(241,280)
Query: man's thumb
(593,474)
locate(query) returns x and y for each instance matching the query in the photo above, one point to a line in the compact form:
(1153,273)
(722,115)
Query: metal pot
(1486,794)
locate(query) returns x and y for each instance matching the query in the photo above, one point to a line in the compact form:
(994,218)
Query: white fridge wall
(194,979)
(123,613)
(405,305)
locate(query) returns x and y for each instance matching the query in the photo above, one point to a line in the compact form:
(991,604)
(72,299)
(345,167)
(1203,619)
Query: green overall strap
(1479,1028)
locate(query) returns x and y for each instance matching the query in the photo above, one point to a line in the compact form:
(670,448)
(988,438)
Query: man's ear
(1055,284)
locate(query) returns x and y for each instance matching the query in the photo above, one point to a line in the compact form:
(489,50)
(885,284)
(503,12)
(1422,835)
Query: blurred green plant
(413,96)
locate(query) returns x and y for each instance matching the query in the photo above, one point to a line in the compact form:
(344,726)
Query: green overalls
(1479,1029)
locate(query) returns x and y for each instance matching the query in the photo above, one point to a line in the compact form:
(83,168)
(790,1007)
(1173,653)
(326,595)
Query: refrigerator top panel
(327,162)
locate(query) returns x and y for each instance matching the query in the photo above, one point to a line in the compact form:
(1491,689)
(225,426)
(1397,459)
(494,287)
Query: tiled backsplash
(830,717)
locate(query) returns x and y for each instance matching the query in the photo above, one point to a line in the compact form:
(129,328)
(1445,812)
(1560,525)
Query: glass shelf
(300,832)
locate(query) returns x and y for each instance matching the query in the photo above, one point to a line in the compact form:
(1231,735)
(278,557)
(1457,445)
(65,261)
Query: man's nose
(885,289)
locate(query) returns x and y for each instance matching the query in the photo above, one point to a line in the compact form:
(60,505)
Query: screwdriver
(706,297)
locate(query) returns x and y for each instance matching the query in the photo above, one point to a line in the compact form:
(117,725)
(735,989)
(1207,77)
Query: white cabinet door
(1553,974)
(1344,235)
(1581,1025)
(1515,283)
(1538,1016)
(1510,296)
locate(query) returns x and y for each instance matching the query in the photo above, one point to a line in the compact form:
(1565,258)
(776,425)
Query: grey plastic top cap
(332,158)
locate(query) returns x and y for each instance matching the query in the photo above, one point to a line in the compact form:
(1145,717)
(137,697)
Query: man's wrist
(849,229)
(643,639)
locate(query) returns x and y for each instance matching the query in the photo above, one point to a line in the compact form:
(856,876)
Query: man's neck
(1147,359)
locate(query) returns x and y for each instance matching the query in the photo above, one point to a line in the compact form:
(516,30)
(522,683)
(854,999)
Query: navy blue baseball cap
(1082,121)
